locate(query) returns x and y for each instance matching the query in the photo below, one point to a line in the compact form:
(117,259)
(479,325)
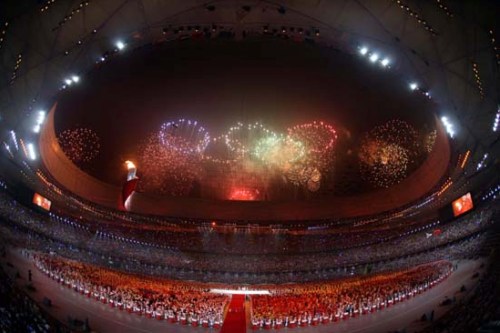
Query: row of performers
(347,312)
(102,295)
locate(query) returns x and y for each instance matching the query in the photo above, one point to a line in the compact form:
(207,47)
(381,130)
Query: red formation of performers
(287,306)
(312,304)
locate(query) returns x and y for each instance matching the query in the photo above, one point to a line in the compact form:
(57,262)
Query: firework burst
(81,145)
(319,139)
(166,169)
(184,135)
(387,152)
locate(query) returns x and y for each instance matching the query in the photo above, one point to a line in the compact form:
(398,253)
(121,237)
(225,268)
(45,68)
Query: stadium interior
(241,166)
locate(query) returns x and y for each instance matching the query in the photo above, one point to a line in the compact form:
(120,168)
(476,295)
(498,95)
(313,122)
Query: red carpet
(235,321)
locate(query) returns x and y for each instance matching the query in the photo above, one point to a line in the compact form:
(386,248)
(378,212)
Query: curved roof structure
(446,53)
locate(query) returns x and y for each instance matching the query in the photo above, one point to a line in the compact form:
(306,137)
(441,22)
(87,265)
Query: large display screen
(41,201)
(462,204)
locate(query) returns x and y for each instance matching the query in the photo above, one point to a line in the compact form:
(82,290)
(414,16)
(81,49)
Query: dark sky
(220,82)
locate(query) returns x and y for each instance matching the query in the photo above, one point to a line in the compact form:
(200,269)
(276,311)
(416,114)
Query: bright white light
(363,50)
(41,117)
(448,126)
(39,121)
(68,82)
(385,62)
(75,78)
(120,45)
(31,151)
(374,57)
(482,163)
(14,139)
(413,86)
(240,292)
(497,120)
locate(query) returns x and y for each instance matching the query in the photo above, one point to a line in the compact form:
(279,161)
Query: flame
(130,165)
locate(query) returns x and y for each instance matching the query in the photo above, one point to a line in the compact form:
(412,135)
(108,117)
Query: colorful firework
(300,175)
(319,139)
(217,152)
(387,152)
(399,132)
(279,151)
(318,136)
(251,156)
(166,169)
(184,135)
(80,145)
(241,137)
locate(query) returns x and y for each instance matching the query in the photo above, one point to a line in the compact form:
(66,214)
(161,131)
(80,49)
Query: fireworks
(300,175)
(171,159)
(80,145)
(244,194)
(430,140)
(185,136)
(386,153)
(166,169)
(279,151)
(318,138)
(240,138)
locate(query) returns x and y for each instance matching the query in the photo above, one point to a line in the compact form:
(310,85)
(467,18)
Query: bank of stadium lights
(482,163)
(70,80)
(374,57)
(120,45)
(7,147)
(417,17)
(479,83)
(13,136)
(492,193)
(74,11)
(494,45)
(448,126)
(39,121)
(31,151)
(16,68)
(3,33)
(414,86)
(444,8)
(497,120)
(47,5)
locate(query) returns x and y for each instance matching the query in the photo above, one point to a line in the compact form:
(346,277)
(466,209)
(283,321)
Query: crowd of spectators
(187,303)
(80,242)
(481,306)
(312,304)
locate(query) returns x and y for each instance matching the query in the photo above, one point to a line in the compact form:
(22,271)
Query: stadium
(248,166)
